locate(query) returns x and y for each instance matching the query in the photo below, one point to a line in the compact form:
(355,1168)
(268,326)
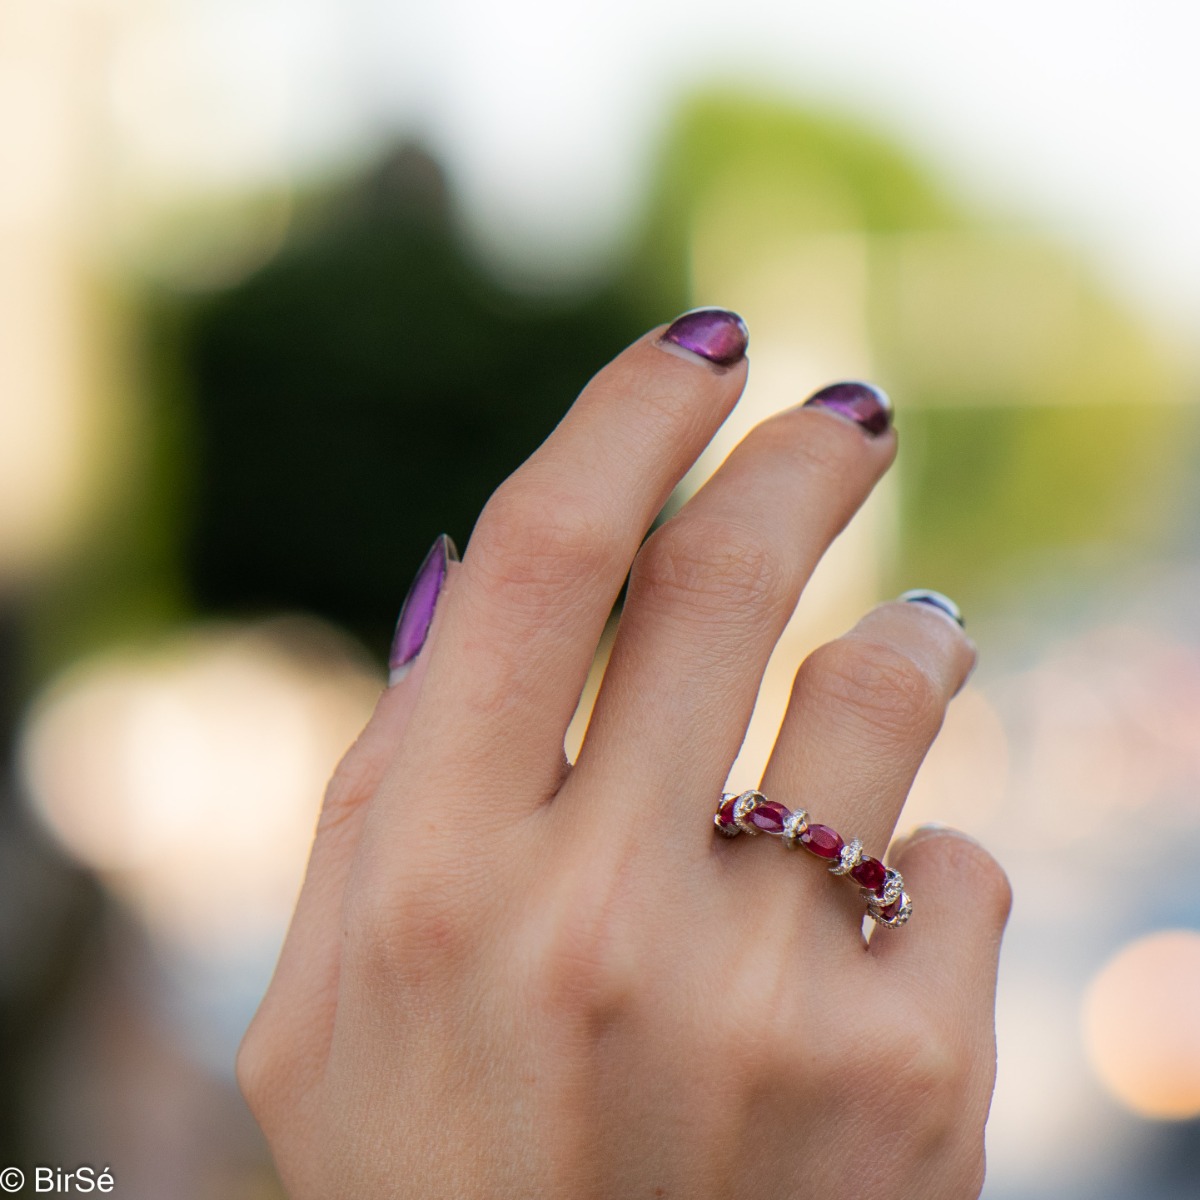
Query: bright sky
(1080,115)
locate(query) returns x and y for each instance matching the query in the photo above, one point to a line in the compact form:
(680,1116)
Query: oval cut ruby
(725,813)
(769,817)
(870,873)
(822,841)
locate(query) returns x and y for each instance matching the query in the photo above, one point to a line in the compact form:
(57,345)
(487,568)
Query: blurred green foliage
(784,167)
(309,430)
(1043,426)
(303,435)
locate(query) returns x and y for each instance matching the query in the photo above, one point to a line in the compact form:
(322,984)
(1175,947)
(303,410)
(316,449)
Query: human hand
(508,977)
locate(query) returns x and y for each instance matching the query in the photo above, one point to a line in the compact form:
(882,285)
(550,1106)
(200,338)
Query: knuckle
(756,1021)
(990,885)
(1002,895)
(256,1067)
(965,859)
(878,683)
(404,932)
(370,932)
(927,1074)
(540,541)
(776,1061)
(249,1070)
(974,1172)
(581,961)
(579,973)
(349,788)
(711,565)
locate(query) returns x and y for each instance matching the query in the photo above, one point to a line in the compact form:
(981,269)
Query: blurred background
(286,289)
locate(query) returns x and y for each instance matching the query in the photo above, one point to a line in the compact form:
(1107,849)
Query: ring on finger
(882,887)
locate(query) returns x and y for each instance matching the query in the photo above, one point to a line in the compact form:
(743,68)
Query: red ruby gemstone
(888,911)
(870,873)
(822,841)
(725,813)
(769,817)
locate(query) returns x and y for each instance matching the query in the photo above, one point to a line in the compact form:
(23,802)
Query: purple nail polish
(935,600)
(416,613)
(862,403)
(716,334)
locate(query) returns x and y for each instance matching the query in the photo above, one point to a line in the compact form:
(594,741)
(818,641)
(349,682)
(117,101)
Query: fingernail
(928,830)
(863,403)
(416,613)
(716,334)
(935,600)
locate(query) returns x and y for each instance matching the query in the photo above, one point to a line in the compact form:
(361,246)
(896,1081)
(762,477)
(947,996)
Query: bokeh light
(188,774)
(1141,1024)
(288,288)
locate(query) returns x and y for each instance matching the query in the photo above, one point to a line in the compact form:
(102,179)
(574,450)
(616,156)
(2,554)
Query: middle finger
(711,592)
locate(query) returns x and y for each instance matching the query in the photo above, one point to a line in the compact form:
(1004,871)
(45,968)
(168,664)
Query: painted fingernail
(416,613)
(935,600)
(928,830)
(863,403)
(716,334)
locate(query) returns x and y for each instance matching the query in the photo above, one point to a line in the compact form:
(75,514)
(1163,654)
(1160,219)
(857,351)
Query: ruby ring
(882,888)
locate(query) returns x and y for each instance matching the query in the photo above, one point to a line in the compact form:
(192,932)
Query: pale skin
(509,977)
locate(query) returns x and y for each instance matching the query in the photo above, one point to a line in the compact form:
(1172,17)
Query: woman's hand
(510,978)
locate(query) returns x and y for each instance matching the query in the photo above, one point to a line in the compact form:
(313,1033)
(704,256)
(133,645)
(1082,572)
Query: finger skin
(947,956)
(961,903)
(542,570)
(709,596)
(483,1011)
(863,713)
(514,632)
(303,989)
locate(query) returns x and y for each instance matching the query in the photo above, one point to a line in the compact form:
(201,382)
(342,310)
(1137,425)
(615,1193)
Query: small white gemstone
(893,887)
(794,825)
(894,922)
(747,802)
(729,831)
(851,856)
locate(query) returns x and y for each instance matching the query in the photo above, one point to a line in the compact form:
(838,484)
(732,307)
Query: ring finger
(863,713)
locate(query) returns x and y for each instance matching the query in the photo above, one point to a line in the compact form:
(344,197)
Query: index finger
(549,555)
